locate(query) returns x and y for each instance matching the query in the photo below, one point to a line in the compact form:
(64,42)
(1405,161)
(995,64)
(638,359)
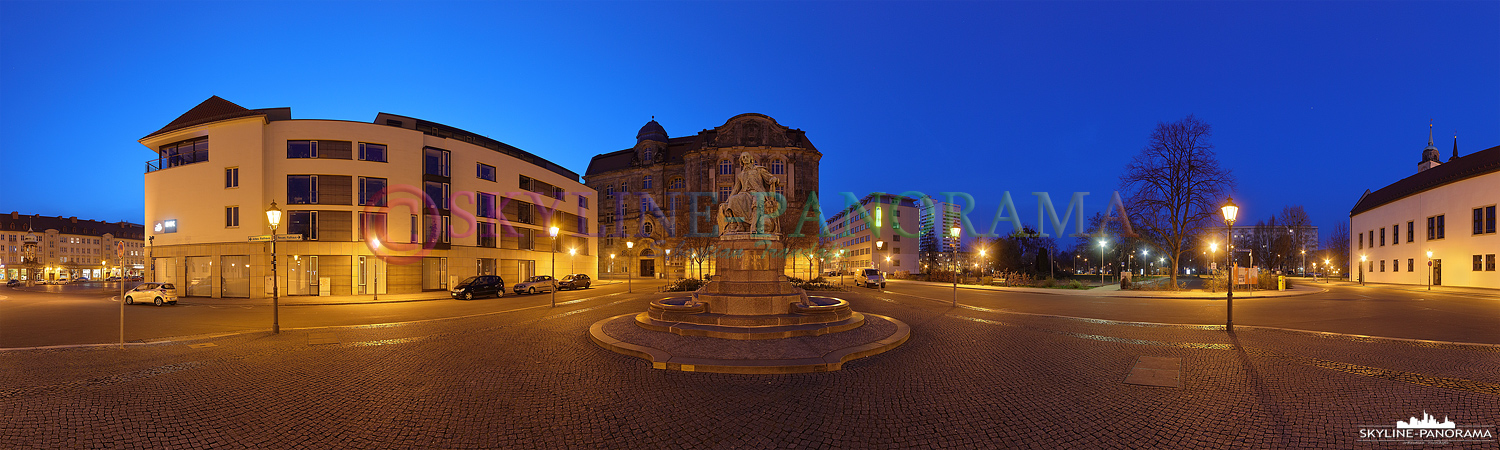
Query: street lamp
(1325,267)
(553,232)
(1304,262)
(628,245)
(982,259)
(1101,260)
(273,216)
(955,231)
(668,261)
(1230,212)
(571,252)
(1361,270)
(878,246)
(611,263)
(376,245)
(1429,270)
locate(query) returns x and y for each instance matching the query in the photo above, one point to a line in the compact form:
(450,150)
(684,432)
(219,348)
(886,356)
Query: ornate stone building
(662,194)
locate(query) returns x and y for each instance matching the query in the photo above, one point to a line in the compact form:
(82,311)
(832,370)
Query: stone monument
(750,300)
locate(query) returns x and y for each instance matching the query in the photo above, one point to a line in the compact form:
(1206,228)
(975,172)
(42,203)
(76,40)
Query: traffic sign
(289,237)
(261,238)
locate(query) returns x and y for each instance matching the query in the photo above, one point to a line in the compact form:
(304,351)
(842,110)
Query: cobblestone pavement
(970,377)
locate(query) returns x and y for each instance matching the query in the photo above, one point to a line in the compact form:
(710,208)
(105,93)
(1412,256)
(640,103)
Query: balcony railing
(174,160)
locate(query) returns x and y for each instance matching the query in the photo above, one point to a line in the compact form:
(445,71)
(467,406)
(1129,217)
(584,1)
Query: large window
(371,191)
(486,172)
(486,234)
(725,168)
(435,161)
(304,223)
(677,183)
(439,193)
(301,189)
(232,177)
(1484,220)
(1435,227)
(371,152)
(371,226)
(232,217)
(646,183)
(301,149)
(486,206)
(182,153)
(583,202)
(778,167)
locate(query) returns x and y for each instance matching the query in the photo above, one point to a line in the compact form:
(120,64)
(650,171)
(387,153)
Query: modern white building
(880,232)
(1446,210)
(398,205)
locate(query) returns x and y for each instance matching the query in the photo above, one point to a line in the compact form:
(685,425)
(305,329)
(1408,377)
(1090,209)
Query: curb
(829,362)
(1072,292)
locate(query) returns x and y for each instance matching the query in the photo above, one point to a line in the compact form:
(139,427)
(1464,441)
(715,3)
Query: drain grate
(1156,371)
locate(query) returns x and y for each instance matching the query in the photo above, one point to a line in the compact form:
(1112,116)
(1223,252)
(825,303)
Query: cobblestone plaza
(970,377)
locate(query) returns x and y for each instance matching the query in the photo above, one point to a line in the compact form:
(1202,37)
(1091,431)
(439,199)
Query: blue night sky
(1311,103)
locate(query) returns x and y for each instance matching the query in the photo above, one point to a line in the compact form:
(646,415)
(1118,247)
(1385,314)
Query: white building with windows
(1446,209)
(356,197)
(880,232)
(68,248)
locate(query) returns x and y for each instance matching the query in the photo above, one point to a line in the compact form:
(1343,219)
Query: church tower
(1430,154)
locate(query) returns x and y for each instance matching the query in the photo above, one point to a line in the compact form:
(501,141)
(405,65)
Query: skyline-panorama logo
(1426,430)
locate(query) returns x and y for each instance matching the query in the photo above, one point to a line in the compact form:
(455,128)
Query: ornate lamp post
(1230,212)
(273,217)
(375,243)
(1326,267)
(553,232)
(878,246)
(628,288)
(667,262)
(955,231)
(985,261)
(1361,270)
(571,252)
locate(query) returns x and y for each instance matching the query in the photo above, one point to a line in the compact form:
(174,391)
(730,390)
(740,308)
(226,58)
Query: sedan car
(13,283)
(539,283)
(574,281)
(478,286)
(156,293)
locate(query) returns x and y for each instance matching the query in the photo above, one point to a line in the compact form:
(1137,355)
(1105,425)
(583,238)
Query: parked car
(13,283)
(479,286)
(156,293)
(539,283)
(872,278)
(575,281)
(112,279)
(41,282)
(80,280)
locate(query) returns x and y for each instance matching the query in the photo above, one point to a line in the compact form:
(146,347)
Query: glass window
(182,152)
(435,161)
(677,183)
(1440,227)
(371,152)
(486,206)
(725,168)
(646,183)
(438,192)
(1489,262)
(232,217)
(1395,234)
(371,226)
(1382,236)
(1411,265)
(1395,265)
(609,192)
(304,223)
(372,191)
(723,193)
(301,149)
(486,234)
(1478,263)
(232,177)
(583,202)
(623,188)
(778,167)
(486,172)
(302,189)
(1411,231)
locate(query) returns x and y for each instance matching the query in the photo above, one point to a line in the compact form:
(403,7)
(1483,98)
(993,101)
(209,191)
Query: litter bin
(1281,282)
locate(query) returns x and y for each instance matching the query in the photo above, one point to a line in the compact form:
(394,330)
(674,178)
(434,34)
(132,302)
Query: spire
(1429,132)
(1455,146)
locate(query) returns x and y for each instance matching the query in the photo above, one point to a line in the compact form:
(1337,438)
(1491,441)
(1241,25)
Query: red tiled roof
(215,109)
(1469,166)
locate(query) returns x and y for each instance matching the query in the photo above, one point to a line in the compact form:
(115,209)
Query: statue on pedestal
(753,204)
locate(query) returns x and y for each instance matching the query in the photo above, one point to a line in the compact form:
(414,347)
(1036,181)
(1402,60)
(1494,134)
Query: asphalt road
(90,314)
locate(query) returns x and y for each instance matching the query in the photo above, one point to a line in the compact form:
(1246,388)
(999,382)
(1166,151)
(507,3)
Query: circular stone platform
(823,353)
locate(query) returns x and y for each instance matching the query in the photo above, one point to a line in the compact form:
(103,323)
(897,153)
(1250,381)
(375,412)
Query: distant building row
(35,247)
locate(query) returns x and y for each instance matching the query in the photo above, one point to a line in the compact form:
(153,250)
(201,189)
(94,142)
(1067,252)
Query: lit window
(371,152)
(301,149)
(486,172)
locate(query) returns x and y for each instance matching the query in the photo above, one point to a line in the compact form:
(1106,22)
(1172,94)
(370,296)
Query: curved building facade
(398,205)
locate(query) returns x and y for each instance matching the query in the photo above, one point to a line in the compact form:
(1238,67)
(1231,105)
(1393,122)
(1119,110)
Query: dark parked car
(479,286)
(575,281)
(13,282)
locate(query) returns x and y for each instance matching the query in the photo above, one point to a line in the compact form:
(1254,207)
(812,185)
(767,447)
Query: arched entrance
(648,263)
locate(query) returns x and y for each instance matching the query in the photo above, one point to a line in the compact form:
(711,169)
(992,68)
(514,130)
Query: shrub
(1049,283)
(684,285)
(1074,284)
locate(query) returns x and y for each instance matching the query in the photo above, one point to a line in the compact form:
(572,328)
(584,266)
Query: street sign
(289,237)
(120,249)
(261,238)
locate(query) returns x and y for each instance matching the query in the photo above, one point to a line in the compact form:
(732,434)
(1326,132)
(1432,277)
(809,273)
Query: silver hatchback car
(156,293)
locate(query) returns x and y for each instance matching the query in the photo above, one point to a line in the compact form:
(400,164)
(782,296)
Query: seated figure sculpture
(753,205)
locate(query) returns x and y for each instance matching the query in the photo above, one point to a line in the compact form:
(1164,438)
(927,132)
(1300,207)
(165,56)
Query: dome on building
(652,131)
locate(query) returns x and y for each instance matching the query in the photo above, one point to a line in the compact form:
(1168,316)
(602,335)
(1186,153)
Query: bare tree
(1295,219)
(1174,187)
(1338,247)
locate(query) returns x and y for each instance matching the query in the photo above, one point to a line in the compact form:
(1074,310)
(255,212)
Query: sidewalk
(1113,290)
(1477,292)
